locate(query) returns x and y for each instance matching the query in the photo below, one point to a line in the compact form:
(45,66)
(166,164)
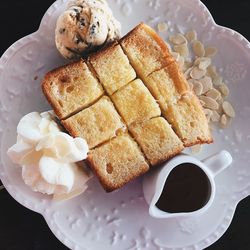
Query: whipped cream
(49,157)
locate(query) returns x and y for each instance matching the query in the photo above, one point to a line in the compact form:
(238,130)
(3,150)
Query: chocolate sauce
(186,189)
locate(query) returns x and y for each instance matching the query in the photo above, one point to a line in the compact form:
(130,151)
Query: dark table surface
(24,229)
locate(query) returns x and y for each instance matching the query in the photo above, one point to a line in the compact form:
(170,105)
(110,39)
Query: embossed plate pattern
(120,220)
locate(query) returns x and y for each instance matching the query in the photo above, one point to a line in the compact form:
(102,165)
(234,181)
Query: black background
(23,229)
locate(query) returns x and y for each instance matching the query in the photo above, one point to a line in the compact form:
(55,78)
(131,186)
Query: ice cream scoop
(85,26)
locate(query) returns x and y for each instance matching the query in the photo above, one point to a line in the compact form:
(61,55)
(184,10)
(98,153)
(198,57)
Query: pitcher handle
(218,162)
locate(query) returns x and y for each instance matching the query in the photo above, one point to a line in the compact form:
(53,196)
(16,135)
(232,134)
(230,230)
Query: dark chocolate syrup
(186,189)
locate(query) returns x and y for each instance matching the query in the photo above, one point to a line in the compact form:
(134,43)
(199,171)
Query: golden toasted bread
(135,103)
(106,102)
(97,124)
(71,88)
(146,51)
(157,140)
(117,162)
(112,68)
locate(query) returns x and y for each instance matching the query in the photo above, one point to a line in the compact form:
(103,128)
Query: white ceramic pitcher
(153,182)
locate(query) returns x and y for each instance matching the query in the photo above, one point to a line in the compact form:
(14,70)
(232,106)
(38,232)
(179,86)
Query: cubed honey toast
(97,124)
(103,64)
(131,103)
(157,140)
(117,162)
(135,103)
(71,88)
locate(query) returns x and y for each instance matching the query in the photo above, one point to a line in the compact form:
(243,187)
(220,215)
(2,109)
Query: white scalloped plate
(96,220)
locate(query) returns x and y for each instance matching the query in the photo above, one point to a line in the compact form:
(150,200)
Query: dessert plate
(120,220)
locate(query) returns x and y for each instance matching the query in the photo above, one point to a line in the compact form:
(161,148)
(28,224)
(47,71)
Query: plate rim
(231,206)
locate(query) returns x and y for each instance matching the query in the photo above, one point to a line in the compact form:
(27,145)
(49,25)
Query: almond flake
(215,117)
(197,88)
(182,49)
(162,27)
(197,73)
(213,93)
(211,71)
(206,84)
(187,73)
(224,89)
(217,80)
(223,120)
(198,48)
(228,109)
(196,148)
(202,62)
(202,103)
(208,113)
(178,39)
(175,55)
(210,51)
(191,35)
(209,102)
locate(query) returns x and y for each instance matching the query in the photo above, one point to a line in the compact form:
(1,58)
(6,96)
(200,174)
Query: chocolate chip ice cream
(85,26)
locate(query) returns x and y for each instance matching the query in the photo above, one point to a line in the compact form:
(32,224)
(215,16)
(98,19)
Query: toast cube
(96,124)
(189,121)
(167,85)
(135,103)
(146,51)
(117,162)
(157,140)
(71,88)
(112,68)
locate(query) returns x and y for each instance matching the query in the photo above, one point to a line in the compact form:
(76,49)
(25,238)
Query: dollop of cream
(49,157)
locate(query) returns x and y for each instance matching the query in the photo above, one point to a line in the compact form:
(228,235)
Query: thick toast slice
(112,68)
(117,162)
(146,51)
(157,140)
(97,124)
(135,103)
(71,88)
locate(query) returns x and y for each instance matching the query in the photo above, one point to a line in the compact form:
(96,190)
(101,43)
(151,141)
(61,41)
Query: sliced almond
(215,117)
(210,51)
(187,73)
(191,35)
(223,120)
(187,65)
(202,103)
(228,109)
(191,86)
(182,49)
(207,84)
(224,89)
(175,55)
(217,80)
(197,73)
(196,148)
(198,48)
(178,39)
(211,71)
(208,113)
(162,27)
(202,62)
(209,102)
(197,88)
(214,94)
